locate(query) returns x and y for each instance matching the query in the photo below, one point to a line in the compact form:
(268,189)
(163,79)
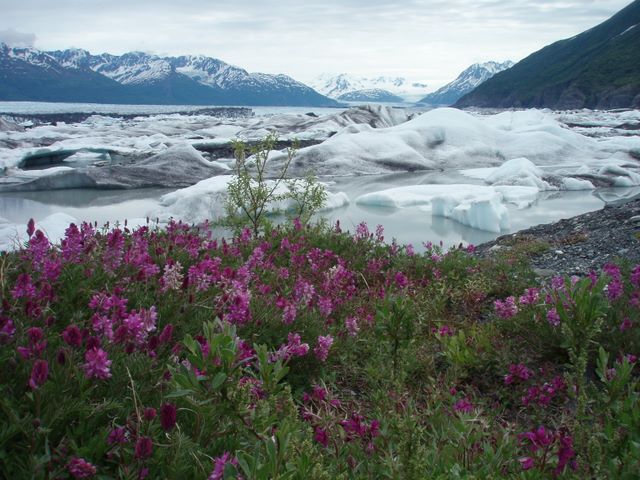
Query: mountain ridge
(598,68)
(336,85)
(464,83)
(136,77)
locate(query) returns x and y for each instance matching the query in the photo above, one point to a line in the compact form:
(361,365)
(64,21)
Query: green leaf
(218,380)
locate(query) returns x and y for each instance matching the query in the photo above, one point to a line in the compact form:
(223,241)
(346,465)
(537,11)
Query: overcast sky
(424,40)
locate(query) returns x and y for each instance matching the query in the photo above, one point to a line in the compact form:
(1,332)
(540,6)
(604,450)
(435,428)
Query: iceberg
(206,200)
(477,206)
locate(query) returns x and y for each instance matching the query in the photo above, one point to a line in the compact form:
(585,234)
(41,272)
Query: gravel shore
(577,245)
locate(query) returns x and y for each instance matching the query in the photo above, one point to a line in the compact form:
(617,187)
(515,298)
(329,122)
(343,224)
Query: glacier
(495,163)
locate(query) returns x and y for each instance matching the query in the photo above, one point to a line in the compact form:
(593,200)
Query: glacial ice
(477,206)
(451,139)
(12,236)
(207,198)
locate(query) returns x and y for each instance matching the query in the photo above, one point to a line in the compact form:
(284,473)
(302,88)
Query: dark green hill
(599,68)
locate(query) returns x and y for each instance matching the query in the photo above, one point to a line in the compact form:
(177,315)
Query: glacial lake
(411,225)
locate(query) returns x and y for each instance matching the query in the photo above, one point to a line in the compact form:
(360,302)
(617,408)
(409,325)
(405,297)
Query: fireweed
(308,352)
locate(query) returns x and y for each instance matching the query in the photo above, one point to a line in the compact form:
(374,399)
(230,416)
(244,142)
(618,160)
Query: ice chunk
(207,200)
(569,183)
(484,212)
(477,206)
(518,171)
(13,236)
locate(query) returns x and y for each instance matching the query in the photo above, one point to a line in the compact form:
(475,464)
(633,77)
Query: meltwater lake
(568,163)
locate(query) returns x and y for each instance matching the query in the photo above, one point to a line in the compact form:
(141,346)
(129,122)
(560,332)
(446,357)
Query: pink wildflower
(166,334)
(39,374)
(97,364)
(72,336)
(626,324)
(7,328)
(144,447)
(352,326)
(168,416)
(219,465)
(526,463)
(24,287)
(320,436)
(31,227)
(463,405)
(530,296)
(635,276)
(172,278)
(80,468)
(506,309)
(117,436)
(517,371)
(614,289)
(322,348)
(289,314)
(149,413)
(553,317)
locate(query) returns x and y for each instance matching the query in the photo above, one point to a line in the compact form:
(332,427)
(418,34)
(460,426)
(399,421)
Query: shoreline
(577,245)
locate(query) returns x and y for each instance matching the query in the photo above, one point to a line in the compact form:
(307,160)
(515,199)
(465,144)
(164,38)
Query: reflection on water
(83,204)
(408,225)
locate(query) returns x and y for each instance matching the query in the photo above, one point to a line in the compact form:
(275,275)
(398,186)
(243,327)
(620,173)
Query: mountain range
(393,89)
(468,80)
(599,68)
(77,76)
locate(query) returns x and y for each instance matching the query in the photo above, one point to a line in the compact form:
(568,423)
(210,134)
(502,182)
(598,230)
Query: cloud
(17,39)
(429,41)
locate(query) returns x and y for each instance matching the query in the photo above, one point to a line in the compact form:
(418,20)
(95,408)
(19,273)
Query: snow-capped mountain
(334,86)
(465,82)
(376,95)
(76,75)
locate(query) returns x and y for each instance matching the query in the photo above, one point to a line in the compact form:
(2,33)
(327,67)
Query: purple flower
(117,436)
(144,447)
(24,287)
(289,314)
(149,413)
(401,280)
(539,438)
(166,334)
(553,317)
(506,309)
(565,454)
(39,374)
(168,416)
(352,326)
(517,371)
(31,227)
(72,336)
(526,463)
(80,468)
(7,328)
(626,324)
(320,436)
(614,289)
(97,364)
(530,296)
(172,278)
(322,348)
(219,465)
(635,276)
(463,405)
